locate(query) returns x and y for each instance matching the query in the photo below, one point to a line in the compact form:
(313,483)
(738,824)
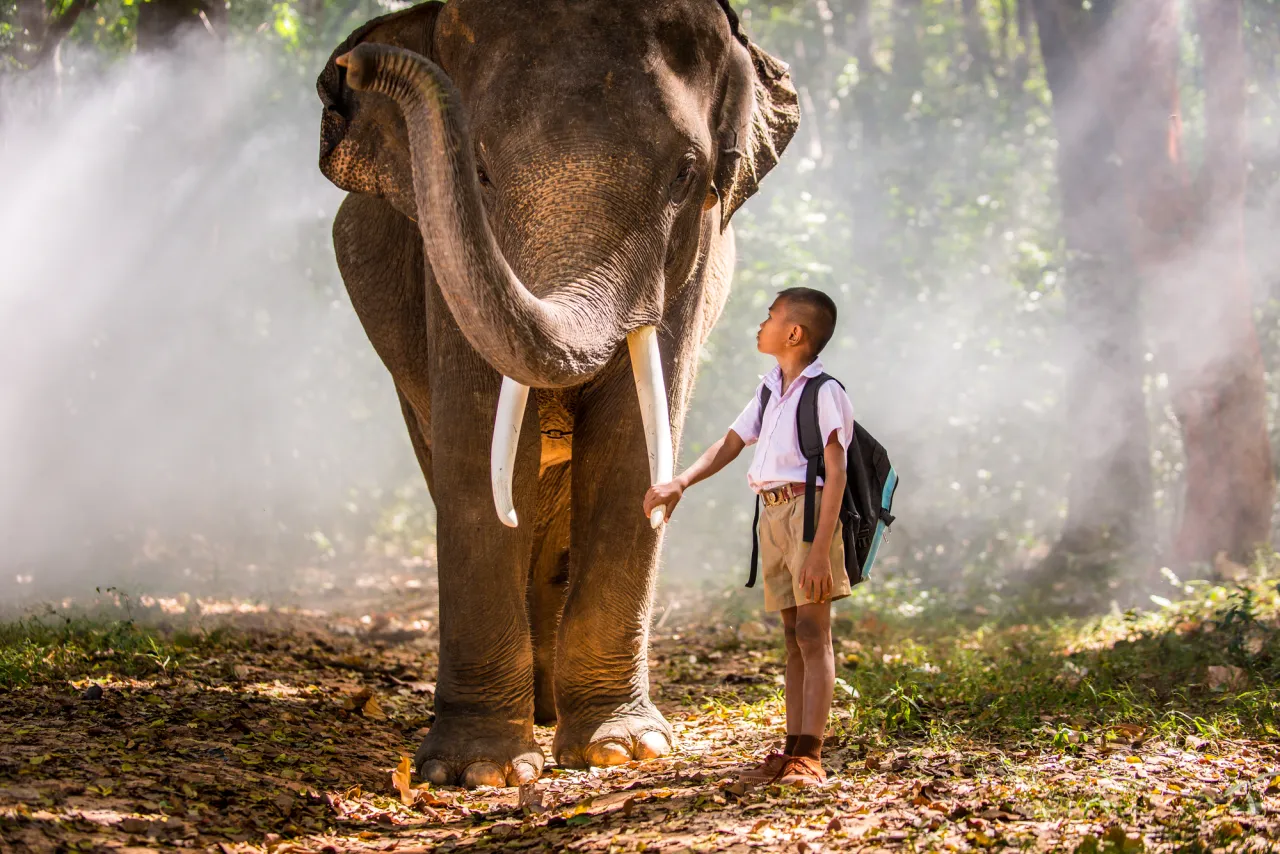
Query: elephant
(530,185)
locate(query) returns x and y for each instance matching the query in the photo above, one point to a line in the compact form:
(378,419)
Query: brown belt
(783,494)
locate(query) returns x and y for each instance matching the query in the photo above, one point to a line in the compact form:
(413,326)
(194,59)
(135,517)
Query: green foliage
(88,646)
(920,191)
(1201,666)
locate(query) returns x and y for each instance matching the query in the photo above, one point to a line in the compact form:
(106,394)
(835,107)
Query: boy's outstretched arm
(712,460)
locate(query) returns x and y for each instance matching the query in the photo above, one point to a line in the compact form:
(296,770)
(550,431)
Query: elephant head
(566,162)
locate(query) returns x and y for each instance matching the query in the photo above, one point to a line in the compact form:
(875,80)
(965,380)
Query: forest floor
(139,723)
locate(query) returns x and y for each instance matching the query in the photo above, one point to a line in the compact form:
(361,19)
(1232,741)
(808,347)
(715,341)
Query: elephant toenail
(483,773)
(436,773)
(607,752)
(651,745)
(523,772)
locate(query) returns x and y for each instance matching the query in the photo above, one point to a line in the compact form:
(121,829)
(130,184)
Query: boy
(800,580)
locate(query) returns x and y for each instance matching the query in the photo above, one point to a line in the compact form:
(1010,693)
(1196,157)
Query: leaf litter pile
(232,727)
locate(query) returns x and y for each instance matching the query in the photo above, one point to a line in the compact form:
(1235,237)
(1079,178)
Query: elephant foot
(471,752)
(634,731)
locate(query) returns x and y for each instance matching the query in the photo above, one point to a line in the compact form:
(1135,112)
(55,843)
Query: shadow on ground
(236,728)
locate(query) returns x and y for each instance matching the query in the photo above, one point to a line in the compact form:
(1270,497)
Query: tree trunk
(1217,375)
(163,23)
(41,31)
(1109,497)
(866,102)
(1022,62)
(976,39)
(1189,240)
(908,53)
(1187,243)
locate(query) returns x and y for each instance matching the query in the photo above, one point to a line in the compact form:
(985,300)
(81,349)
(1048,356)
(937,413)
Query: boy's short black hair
(815,311)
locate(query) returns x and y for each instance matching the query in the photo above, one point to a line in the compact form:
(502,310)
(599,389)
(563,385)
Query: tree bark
(41,30)
(1186,242)
(163,23)
(865,98)
(908,53)
(1217,373)
(1188,237)
(976,39)
(1021,62)
(1109,496)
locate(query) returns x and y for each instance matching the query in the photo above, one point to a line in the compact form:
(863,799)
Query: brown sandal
(800,771)
(766,770)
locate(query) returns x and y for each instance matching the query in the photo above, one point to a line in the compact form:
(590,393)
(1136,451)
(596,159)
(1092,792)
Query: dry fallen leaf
(373,710)
(402,779)
(531,798)
(357,700)
(1133,731)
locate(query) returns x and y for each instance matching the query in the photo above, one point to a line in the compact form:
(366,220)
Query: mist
(188,399)
(186,388)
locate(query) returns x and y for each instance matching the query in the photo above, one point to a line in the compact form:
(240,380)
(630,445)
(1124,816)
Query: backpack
(868,495)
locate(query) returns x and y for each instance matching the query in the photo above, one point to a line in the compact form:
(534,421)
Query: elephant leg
(483,730)
(602,674)
(417,437)
(548,584)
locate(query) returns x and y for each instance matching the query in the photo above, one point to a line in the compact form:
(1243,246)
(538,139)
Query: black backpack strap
(812,445)
(755,545)
(755,523)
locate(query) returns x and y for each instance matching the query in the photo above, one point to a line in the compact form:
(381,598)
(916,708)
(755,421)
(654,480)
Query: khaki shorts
(783,550)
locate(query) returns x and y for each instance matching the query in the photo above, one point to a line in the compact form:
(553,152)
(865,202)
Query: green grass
(50,648)
(933,675)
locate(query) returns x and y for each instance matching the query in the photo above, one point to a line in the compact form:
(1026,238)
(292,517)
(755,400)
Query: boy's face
(778,333)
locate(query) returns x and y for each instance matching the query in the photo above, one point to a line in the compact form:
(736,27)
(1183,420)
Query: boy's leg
(795,680)
(813,638)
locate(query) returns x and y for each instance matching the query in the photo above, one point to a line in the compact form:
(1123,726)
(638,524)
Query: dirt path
(280,732)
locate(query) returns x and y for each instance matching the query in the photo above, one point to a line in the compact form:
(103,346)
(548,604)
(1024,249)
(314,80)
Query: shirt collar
(773,379)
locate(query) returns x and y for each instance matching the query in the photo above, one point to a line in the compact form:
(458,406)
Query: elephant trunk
(561,340)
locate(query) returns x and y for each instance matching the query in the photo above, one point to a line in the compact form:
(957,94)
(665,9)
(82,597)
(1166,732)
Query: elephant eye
(483,176)
(683,180)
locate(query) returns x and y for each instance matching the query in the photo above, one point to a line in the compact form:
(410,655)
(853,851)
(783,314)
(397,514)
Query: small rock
(93,692)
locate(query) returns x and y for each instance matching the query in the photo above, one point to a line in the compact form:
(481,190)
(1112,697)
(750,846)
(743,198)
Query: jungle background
(1040,303)
(1049,228)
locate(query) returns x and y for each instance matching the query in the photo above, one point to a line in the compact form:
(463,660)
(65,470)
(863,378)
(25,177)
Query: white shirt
(778,459)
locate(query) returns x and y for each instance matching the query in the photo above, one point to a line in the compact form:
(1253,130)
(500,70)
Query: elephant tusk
(646,366)
(506,438)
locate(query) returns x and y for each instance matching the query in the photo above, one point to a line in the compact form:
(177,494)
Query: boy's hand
(663,494)
(815,575)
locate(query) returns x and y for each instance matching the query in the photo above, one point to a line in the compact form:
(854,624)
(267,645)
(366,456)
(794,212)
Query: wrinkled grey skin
(528,182)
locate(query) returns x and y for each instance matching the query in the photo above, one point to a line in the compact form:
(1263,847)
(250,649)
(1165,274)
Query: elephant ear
(364,144)
(760,115)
